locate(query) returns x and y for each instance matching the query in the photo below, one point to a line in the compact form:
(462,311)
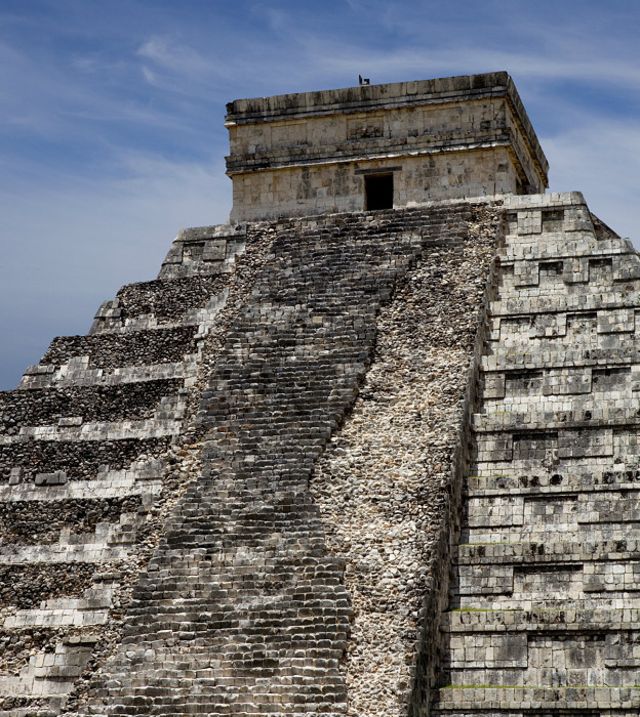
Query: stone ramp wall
(387,484)
(543,615)
(243,608)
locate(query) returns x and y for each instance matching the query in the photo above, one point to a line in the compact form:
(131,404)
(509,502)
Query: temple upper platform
(381,146)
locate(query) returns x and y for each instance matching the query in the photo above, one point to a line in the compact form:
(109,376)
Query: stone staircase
(243,609)
(544,599)
(162,550)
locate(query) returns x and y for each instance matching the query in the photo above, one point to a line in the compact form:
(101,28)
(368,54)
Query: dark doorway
(378,191)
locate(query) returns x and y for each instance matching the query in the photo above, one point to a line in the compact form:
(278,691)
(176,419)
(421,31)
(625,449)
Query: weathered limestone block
(549,542)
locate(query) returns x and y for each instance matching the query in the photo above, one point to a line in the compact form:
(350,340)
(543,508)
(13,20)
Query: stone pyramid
(371,449)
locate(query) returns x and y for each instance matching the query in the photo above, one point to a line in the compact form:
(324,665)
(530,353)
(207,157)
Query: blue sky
(111,119)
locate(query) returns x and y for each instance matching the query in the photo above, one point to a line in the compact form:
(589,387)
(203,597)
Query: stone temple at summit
(372,449)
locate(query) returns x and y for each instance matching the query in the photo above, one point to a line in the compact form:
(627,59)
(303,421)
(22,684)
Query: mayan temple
(370,449)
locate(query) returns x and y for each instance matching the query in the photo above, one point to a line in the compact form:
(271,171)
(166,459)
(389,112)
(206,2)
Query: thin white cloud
(45,101)
(150,76)
(174,56)
(423,62)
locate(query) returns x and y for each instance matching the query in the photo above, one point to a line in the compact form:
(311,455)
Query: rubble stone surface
(382,484)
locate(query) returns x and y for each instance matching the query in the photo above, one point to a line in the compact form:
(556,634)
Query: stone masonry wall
(448,138)
(309,190)
(543,612)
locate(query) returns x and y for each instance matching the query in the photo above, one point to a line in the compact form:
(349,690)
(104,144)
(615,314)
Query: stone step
(78,374)
(534,553)
(108,522)
(595,615)
(26,586)
(202,318)
(592,415)
(608,269)
(606,298)
(117,350)
(534,466)
(567,512)
(143,478)
(568,246)
(39,407)
(510,677)
(567,279)
(536,602)
(539,448)
(618,532)
(597,479)
(531,354)
(55,462)
(204,251)
(568,404)
(43,522)
(526,700)
(171,301)
(102,431)
(565,316)
(542,658)
(505,584)
(92,609)
(98,552)
(49,706)
(557,389)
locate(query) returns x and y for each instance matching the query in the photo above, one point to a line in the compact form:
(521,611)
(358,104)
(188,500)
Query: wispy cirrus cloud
(527,64)
(175,58)
(111,120)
